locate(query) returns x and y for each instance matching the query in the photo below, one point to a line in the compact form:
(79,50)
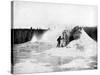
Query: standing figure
(67,36)
(61,41)
(62,44)
(58,41)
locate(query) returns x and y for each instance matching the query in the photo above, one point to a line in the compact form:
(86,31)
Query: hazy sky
(32,14)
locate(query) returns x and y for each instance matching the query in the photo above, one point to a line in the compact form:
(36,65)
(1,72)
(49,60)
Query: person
(58,41)
(62,43)
(66,37)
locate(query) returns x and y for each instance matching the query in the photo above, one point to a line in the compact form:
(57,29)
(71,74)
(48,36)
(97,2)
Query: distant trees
(92,32)
(23,35)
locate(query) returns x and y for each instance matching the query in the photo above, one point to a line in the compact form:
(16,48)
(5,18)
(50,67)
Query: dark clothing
(58,40)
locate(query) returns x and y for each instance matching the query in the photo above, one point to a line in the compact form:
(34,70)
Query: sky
(43,15)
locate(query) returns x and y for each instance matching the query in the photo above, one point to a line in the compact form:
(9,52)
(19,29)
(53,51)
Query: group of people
(67,36)
(63,40)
